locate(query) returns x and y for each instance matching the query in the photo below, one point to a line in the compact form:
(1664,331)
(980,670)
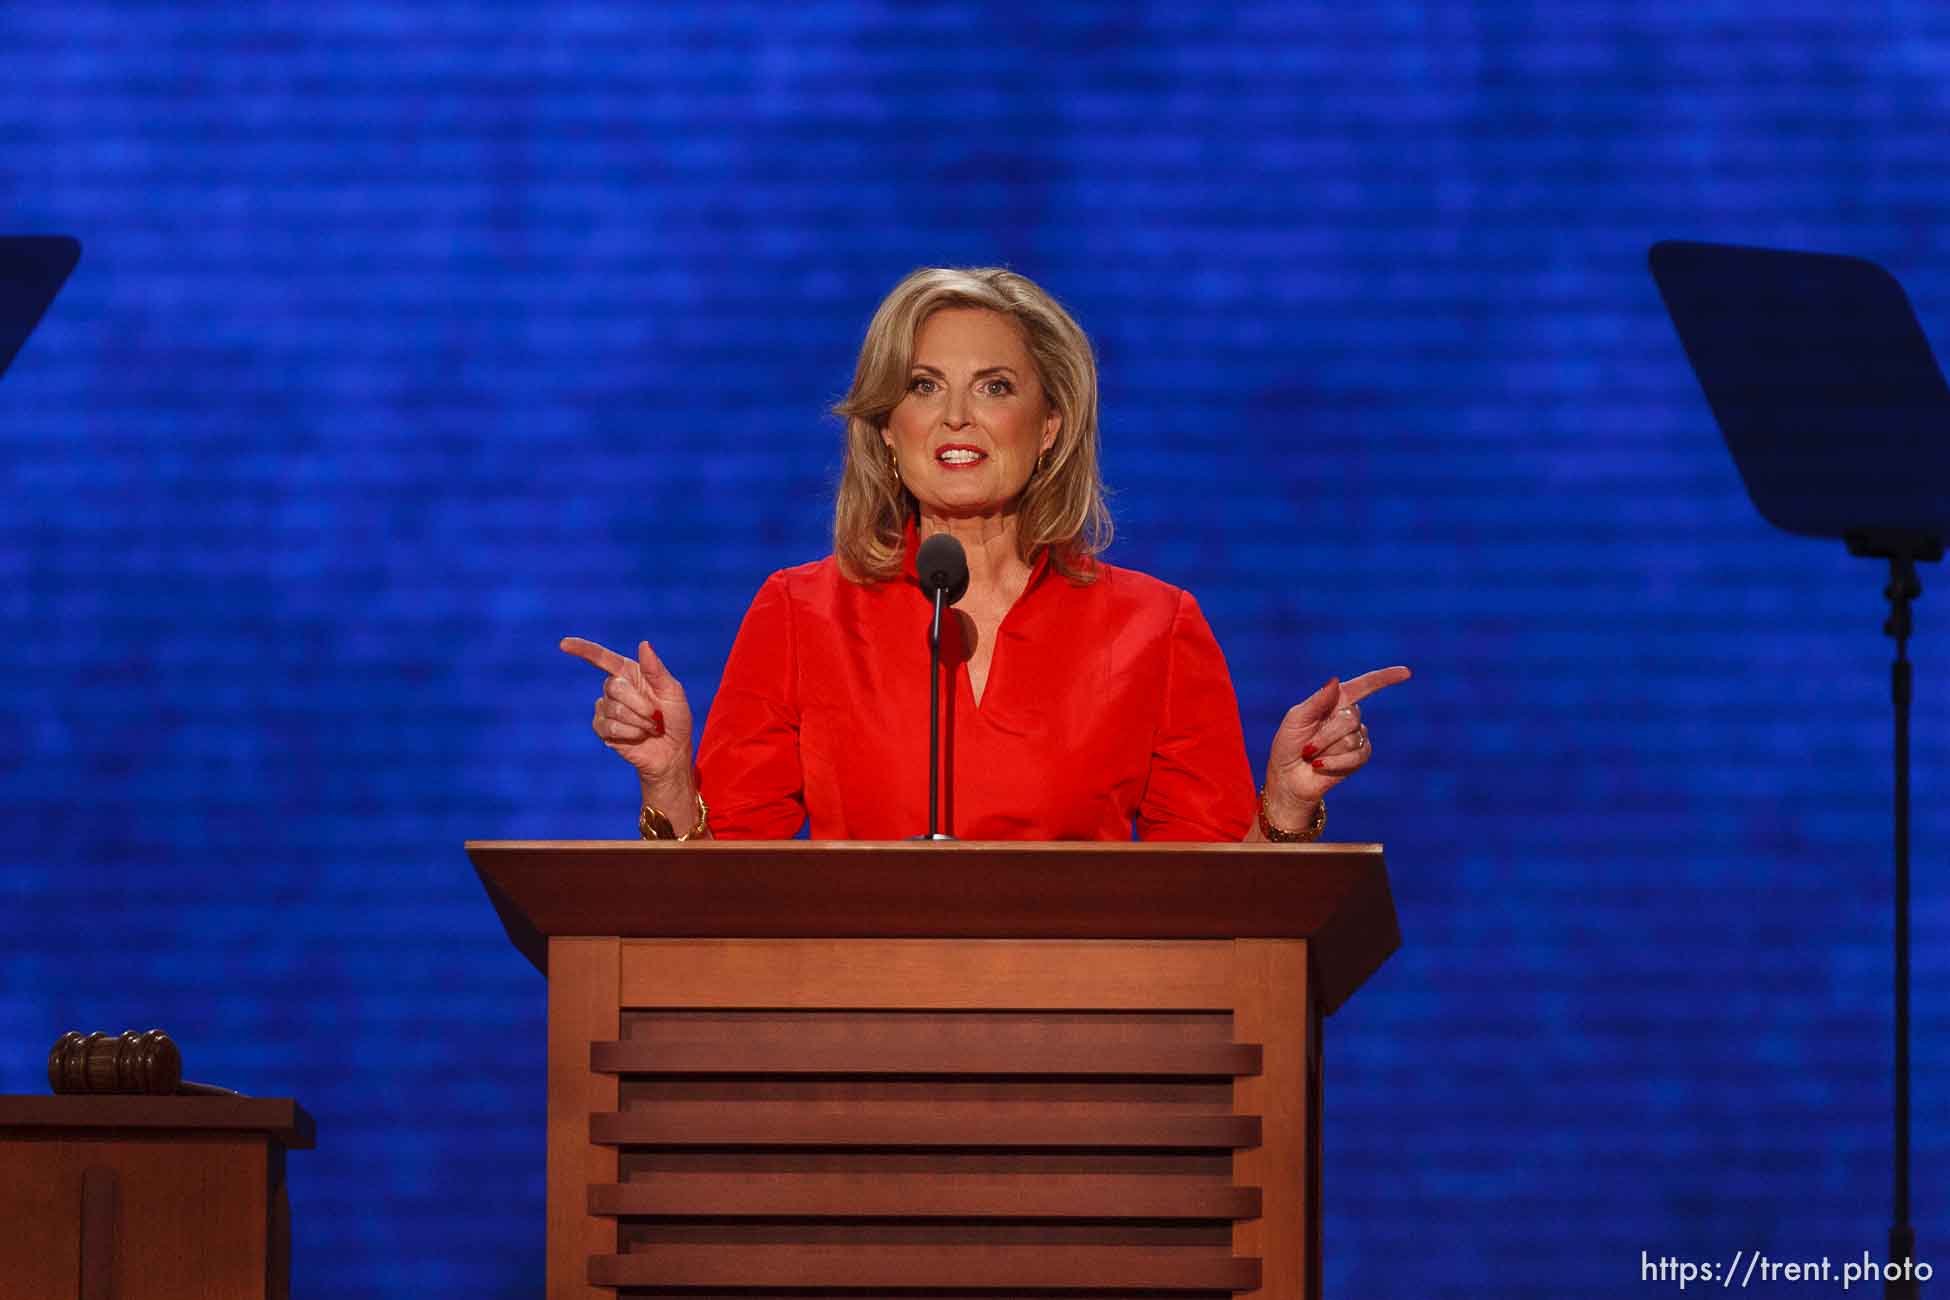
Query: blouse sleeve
(1201,785)
(748,763)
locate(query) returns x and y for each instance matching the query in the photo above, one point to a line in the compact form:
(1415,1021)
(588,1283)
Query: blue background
(411,338)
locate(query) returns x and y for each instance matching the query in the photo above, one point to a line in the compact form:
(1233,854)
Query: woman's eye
(920,384)
(999,388)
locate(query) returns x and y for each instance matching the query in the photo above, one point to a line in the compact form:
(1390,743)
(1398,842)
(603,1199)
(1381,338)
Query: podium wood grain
(582,1008)
(1272,1006)
(827,1069)
(146,1198)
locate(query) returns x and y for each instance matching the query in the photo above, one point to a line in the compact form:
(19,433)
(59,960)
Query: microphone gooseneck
(942,567)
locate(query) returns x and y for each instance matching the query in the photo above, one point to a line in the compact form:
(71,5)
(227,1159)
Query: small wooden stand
(788,1069)
(147,1198)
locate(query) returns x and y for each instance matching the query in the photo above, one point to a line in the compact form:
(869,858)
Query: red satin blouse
(1106,706)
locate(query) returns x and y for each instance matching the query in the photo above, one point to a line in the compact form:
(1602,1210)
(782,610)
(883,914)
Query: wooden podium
(1007,1068)
(147,1198)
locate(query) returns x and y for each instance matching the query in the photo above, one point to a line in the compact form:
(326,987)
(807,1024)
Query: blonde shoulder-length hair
(1062,506)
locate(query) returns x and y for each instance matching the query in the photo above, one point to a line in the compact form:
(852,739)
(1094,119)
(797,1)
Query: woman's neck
(995,570)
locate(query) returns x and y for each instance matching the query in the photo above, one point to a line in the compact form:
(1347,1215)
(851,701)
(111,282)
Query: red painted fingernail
(1320,767)
(1308,752)
(657,719)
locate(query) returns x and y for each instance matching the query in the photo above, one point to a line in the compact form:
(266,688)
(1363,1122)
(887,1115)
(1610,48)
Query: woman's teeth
(956,456)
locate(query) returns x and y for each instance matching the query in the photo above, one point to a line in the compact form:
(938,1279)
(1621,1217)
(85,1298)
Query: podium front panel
(802,1115)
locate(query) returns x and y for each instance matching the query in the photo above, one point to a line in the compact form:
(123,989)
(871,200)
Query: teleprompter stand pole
(1838,416)
(1902,551)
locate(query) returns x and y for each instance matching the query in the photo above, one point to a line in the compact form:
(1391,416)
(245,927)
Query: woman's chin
(962,492)
(965,505)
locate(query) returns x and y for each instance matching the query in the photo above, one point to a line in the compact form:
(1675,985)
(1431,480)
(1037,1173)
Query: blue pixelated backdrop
(411,338)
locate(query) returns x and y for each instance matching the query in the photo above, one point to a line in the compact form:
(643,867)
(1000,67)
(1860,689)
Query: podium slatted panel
(988,1268)
(881,1195)
(913,1124)
(940,974)
(1001,1152)
(825,1048)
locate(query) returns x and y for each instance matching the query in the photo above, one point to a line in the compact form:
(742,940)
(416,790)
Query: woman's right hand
(643,715)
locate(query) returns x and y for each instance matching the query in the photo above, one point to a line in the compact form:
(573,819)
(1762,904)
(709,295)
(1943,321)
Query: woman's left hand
(1320,743)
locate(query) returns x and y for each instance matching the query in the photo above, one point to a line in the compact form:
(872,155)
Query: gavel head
(133,1062)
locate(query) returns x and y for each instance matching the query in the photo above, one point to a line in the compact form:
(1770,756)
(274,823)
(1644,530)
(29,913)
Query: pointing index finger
(1356,689)
(600,656)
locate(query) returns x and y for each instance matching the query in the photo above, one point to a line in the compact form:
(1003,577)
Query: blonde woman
(1084,700)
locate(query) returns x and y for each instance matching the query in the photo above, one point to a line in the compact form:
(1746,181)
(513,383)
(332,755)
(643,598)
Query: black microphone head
(942,566)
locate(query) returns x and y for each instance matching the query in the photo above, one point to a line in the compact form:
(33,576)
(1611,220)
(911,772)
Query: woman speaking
(1083,699)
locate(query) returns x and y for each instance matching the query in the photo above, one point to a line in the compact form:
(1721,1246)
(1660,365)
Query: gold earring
(893,464)
(1039,461)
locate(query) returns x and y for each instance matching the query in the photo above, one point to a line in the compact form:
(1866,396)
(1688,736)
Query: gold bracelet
(1278,836)
(652,824)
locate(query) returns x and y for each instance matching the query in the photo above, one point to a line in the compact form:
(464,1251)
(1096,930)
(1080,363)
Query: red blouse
(1105,703)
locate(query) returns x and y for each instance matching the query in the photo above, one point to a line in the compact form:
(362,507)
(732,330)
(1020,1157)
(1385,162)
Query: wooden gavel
(135,1062)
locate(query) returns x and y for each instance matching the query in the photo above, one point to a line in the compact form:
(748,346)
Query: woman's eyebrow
(985,370)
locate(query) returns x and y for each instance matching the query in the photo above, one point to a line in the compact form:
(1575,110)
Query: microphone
(942,566)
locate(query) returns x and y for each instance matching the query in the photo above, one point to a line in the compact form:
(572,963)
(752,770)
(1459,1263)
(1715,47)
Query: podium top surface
(278,1118)
(1334,895)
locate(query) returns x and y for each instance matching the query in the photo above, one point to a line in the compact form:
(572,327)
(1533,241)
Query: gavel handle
(188,1089)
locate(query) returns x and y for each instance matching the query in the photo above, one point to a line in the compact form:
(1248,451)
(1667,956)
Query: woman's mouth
(957,457)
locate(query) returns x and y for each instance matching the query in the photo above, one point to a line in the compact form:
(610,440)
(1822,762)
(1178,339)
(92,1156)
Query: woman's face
(967,433)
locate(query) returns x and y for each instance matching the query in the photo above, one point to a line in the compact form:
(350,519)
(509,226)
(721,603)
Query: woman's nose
(955,414)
